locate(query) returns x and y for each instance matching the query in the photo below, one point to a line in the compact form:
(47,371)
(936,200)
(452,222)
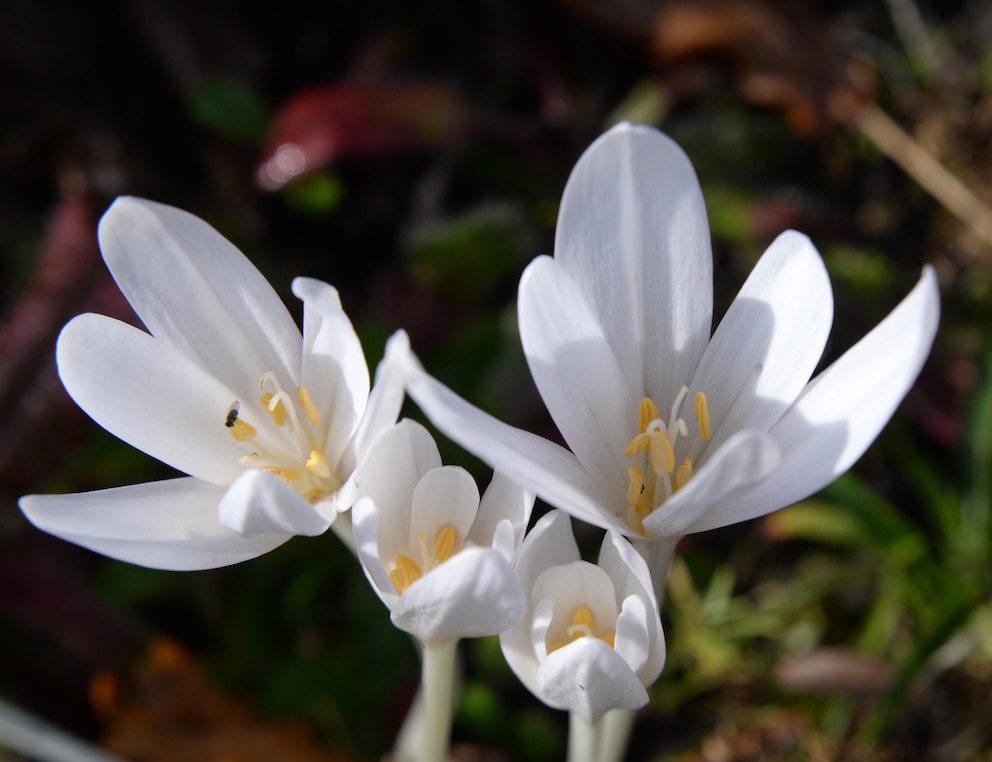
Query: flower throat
(651,483)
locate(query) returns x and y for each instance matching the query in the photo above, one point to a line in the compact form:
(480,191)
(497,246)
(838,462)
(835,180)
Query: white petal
(260,503)
(192,288)
(445,496)
(540,623)
(389,474)
(381,412)
(769,342)
(633,633)
(365,525)
(744,460)
(576,372)
(632,576)
(843,409)
(503,500)
(589,678)
(148,394)
(472,594)
(548,544)
(540,466)
(632,231)
(334,370)
(170,524)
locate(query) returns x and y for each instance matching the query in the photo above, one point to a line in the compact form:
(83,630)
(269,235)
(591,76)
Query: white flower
(268,425)
(670,430)
(591,639)
(439,559)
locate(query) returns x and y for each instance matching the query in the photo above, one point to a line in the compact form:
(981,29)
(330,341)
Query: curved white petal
(744,460)
(169,524)
(389,474)
(193,289)
(365,525)
(503,500)
(843,409)
(261,503)
(576,372)
(150,395)
(632,577)
(549,543)
(381,412)
(589,678)
(472,594)
(334,370)
(632,231)
(445,496)
(542,467)
(633,634)
(769,342)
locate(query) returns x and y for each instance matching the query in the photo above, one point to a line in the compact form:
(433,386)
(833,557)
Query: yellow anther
(683,475)
(640,443)
(405,573)
(610,639)
(648,412)
(288,475)
(309,409)
(275,409)
(702,412)
(583,616)
(444,543)
(662,454)
(317,464)
(241,431)
(637,495)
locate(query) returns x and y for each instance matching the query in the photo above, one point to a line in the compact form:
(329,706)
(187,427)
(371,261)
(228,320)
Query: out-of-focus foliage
(413,155)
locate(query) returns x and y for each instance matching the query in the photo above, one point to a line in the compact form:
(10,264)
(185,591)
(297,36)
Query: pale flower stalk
(671,430)
(591,640)
(268,425)
(439,558)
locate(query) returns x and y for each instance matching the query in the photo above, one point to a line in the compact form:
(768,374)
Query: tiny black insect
(232,415)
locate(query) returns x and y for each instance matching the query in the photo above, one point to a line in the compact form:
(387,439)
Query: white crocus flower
(670,430)
(436,556)
(591,639)
(269,425)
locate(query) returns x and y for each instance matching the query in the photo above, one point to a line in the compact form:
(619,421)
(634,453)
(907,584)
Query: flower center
(655,478)
(584,626)
(407,571)
(295,450)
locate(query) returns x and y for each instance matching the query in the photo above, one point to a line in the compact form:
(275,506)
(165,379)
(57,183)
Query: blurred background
(413,154)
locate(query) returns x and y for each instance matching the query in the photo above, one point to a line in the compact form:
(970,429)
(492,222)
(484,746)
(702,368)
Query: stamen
(240,430)
(309,409)
(677,404)
(277,410)
(636,497)
(647,413)
(662,455)
(640,443)
(405,574)
(318,465)
(582,623)
(683,475)
(444,543)
(702,412)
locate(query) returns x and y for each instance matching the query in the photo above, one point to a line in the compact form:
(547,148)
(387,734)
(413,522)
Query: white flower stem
(614,734)
(582,740)
(438,688)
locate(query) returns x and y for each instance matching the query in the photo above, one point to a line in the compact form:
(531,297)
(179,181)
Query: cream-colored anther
(242,431)
(647,413)
(405,573)
(662,454)
(274,407)
(683,475)
(702,411)
(306,403)
(318,465)
(444,543)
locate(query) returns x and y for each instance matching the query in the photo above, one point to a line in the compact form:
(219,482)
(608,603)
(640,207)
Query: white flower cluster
(670,430)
